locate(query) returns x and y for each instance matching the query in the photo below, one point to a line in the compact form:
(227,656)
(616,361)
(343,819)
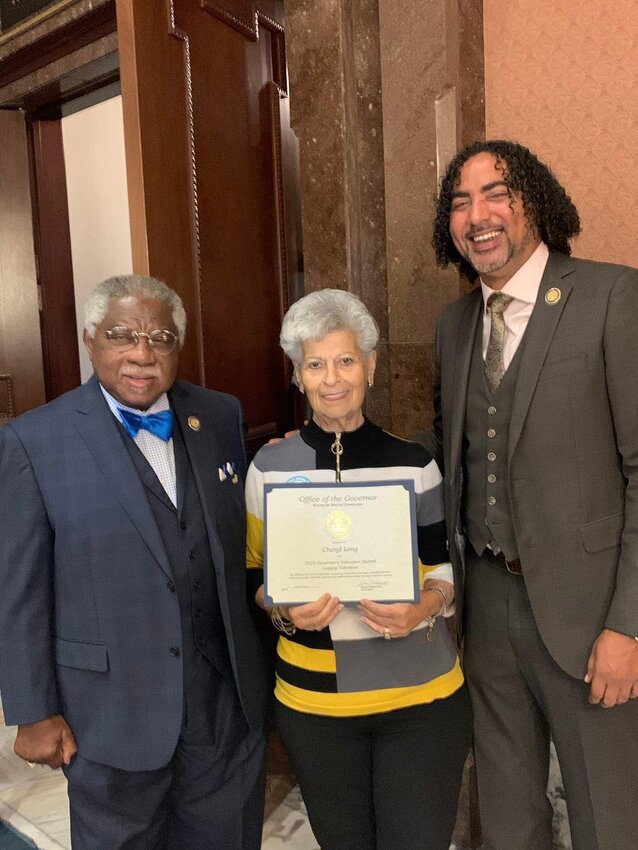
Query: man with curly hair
(536,412)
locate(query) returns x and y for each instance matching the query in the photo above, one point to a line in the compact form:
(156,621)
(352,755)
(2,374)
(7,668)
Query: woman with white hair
(370,699)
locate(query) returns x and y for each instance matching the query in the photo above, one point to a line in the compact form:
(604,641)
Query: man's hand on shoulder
(48,741)
(612,669)
(286,436)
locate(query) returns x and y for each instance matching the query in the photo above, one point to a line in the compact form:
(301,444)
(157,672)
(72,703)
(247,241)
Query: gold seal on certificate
(339,524)
(355,541)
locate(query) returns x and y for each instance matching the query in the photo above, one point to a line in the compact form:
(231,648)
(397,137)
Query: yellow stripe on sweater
(318,660)
(358,703)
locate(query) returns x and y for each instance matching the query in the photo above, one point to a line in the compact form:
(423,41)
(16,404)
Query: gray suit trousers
(521,697)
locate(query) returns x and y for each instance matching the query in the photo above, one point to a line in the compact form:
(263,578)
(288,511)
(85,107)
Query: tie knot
(497,303)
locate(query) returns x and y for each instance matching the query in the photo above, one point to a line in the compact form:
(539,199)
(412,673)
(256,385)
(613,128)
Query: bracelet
(443,609)
(281,623)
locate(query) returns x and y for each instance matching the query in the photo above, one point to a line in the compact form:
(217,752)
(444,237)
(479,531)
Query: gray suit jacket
(87,616)
(572,454)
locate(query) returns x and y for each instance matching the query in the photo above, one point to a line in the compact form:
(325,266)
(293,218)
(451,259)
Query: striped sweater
(346,669)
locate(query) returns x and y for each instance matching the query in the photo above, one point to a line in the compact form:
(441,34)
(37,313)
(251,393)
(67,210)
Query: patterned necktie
(494,367)
(160,424)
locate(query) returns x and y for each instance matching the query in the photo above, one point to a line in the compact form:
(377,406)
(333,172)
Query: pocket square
(228,471)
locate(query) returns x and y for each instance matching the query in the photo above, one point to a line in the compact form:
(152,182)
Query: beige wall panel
(562,79)
(20,348)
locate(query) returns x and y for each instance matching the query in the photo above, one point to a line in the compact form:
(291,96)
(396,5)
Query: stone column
(432,71)
(382,93)
(335,102)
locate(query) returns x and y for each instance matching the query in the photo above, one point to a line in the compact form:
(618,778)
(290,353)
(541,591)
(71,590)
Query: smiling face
(488,222)
(139,376)
(333,375)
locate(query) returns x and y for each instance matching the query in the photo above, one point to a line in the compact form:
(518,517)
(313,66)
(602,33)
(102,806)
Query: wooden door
(213,192)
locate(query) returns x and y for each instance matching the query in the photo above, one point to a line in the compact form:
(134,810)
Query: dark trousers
(210,796)
(520,697)
(383,781)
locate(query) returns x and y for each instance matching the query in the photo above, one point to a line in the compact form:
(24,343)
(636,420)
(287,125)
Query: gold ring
(386,634)
(30,763)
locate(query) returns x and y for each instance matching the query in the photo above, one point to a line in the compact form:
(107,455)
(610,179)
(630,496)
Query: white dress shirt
(159,453)
(523,288)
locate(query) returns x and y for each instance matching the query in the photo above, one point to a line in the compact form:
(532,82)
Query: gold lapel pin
(193,423)
(553,295)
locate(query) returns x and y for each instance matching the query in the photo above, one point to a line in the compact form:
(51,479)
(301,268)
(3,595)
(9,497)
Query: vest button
(183,525)
(491,478)
(491,410)
(174,651)
(171,585)
(198,612)
(491,432)
(191,554)
(491,500)
(196,584)
(491,456)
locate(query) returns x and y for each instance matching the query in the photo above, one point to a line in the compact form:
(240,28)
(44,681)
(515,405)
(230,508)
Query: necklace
(337,449)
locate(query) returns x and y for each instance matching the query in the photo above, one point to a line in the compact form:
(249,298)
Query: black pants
(210,796)
(383,781)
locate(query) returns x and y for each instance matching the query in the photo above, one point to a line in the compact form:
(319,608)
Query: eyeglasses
(160,341)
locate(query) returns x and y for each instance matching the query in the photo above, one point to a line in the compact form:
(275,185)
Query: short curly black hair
(547,204)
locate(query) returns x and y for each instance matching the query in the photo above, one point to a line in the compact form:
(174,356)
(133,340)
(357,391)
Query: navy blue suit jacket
(87,619)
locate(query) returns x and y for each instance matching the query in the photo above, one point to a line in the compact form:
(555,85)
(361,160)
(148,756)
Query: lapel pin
(193,423)
(553,295)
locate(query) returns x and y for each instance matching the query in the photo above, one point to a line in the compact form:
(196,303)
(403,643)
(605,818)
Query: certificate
(355,541)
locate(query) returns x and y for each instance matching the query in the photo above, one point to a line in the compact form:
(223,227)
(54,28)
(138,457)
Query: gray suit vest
(486,498)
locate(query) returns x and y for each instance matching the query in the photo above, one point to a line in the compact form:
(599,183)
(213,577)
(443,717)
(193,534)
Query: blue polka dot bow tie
(160,424)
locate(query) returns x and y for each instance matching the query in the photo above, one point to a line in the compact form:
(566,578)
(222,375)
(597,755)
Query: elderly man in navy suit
(129,656)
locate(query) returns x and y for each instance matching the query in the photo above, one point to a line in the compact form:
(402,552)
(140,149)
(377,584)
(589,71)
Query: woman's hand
(313,616)
(401,618)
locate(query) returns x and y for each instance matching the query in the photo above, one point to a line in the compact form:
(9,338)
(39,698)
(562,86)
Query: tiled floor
(33,801)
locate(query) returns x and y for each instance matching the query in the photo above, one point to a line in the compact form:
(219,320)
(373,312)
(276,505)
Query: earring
(370,383)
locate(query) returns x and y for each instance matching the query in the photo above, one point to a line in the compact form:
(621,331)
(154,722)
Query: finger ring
(30,763)
(386,633)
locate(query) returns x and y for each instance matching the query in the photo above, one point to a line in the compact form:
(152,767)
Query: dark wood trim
(55,266)
(73,92)
(78,33)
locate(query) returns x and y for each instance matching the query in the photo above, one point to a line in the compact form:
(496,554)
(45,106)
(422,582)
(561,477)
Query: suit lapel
(538,337)
(202,451)
(98,428)
(465,339)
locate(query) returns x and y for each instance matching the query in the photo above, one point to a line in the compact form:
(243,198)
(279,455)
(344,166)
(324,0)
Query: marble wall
(380,99)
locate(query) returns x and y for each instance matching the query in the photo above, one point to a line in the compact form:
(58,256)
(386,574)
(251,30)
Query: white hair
(316,315)
(137,286)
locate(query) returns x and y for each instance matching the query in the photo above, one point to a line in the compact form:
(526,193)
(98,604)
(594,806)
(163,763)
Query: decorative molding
(183,37)
(278,89)
(6,399)
(250,29)
(273,94)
